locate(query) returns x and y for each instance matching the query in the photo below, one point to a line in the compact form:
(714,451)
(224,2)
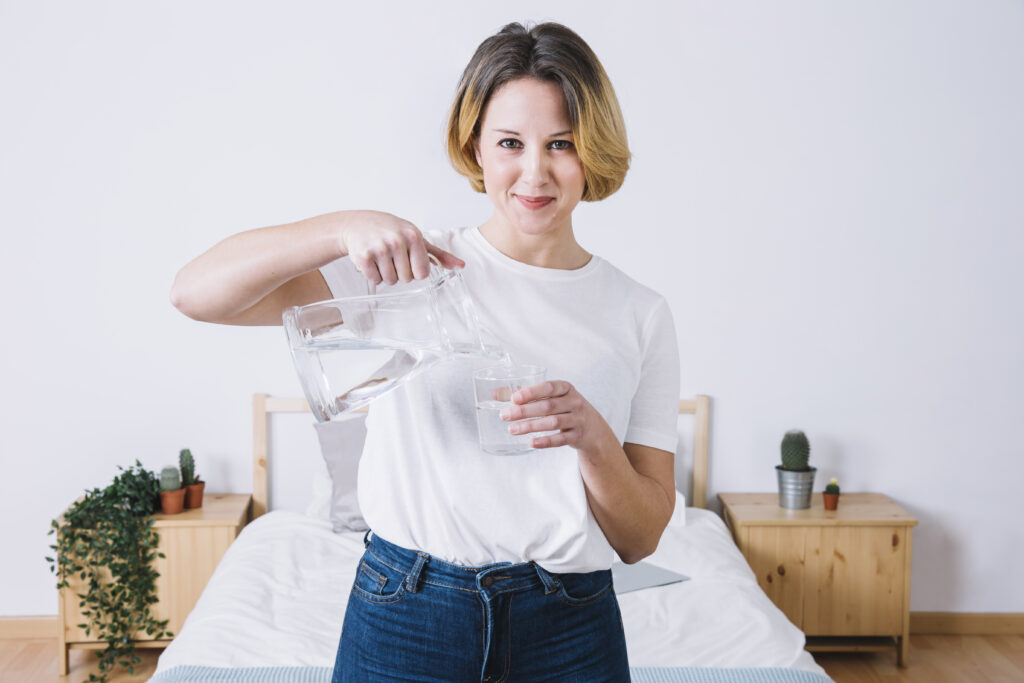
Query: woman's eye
(512,143)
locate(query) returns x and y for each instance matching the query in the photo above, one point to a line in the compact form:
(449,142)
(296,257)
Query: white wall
(829,194)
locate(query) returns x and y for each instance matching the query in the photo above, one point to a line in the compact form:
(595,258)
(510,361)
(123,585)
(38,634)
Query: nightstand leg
(903,650)
(63,662)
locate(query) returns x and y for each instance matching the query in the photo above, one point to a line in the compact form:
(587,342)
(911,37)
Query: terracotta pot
(172,502)
(831,500)
(194,495)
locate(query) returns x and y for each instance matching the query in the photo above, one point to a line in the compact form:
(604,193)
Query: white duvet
(278,598)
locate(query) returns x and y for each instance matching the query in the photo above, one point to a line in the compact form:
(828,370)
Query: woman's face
(532,173)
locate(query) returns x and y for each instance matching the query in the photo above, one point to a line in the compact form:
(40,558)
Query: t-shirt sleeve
(344,279)
(654,410)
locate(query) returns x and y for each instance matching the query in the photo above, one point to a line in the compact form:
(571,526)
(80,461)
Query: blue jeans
(415,617)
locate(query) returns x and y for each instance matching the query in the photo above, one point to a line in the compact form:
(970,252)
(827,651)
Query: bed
(272,611)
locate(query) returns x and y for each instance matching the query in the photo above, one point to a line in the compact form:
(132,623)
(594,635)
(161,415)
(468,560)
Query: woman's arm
(630,489)
(632,497)
(251,277)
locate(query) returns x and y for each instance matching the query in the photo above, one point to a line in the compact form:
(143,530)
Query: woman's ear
(476,152)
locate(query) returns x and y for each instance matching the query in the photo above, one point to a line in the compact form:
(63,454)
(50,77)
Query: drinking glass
(494,387)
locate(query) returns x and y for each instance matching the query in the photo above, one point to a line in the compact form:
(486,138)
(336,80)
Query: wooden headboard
(263,405)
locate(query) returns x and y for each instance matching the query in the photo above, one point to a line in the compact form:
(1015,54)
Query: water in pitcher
(350,373)
(351,350)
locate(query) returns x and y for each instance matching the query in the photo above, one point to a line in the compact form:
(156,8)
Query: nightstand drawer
(832,581)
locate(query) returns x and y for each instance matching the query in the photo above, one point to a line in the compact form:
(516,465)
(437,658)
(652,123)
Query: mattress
(273,609)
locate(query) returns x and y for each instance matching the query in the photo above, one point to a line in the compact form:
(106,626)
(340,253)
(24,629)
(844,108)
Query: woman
(483,567)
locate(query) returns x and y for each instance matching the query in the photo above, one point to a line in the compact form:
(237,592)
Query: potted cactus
(190,480)
(795,475)
(172,493)
(831,494)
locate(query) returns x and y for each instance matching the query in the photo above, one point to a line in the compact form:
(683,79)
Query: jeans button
(487,581)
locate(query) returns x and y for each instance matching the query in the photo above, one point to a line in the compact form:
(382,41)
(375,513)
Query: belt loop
(413,580)
(551,583)
(366,538)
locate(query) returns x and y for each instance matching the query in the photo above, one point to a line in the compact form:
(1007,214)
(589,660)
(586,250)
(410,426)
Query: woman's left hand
(557,405)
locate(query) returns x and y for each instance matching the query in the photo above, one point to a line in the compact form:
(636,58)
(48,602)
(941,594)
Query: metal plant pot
(795,488)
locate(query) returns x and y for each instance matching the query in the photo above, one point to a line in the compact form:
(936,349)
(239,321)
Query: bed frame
(264,405)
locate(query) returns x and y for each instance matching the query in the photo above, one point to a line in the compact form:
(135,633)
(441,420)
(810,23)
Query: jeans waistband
(489,579)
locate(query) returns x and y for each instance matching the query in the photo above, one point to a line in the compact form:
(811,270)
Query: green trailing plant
(170,480)
(832,486)
(106,543)
(796,451)
(188,468)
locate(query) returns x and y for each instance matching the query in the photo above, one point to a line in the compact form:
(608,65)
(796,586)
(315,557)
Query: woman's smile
(534,203)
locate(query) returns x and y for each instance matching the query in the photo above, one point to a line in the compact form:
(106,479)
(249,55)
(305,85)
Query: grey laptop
(634,577)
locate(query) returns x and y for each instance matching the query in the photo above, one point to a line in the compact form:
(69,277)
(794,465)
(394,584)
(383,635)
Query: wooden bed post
(259,455)
(700,408)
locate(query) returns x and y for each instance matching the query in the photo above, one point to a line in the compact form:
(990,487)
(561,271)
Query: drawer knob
(895,540)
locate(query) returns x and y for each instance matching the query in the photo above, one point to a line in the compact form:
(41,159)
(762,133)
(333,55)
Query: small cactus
(796,451)
(188,467)
(170,479)
(833,486)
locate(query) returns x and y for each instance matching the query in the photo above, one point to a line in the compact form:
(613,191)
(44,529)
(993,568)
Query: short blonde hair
(549,52)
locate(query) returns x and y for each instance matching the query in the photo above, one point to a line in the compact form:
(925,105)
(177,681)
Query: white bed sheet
(278,598)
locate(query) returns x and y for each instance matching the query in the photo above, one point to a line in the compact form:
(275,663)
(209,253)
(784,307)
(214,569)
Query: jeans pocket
(379,582)
(584,589)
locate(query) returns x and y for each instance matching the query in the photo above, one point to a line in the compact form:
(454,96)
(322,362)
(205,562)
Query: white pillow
(341,445)
(319,506)
(679,511)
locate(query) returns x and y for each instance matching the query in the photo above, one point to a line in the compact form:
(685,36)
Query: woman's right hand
(386,248)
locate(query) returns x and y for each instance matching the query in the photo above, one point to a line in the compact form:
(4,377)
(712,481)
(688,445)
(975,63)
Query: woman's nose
(535,166)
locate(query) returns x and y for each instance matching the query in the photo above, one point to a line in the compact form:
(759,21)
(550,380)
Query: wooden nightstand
(193,542)
(842,577)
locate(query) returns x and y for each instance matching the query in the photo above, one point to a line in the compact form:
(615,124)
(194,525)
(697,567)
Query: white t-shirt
(424,482)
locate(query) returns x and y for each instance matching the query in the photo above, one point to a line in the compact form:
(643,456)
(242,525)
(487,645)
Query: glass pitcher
(400,330)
